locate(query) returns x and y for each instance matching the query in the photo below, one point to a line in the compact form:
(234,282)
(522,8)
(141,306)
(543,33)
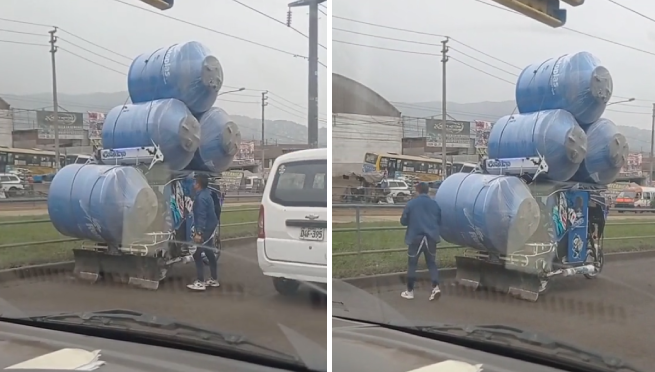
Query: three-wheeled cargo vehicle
(569,240)
(146,261)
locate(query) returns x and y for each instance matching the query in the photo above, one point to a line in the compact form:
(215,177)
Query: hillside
(638,139)
(280,131)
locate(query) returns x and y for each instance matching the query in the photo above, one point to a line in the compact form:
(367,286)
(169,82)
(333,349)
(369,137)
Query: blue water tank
(220,139)
(187,71)
(103,203)
(167,123)
(486,212)
(575,82)
(607,153)
(554,134)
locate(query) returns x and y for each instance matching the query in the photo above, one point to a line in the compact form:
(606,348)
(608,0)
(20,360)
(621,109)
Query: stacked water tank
(560,103)
(173,90)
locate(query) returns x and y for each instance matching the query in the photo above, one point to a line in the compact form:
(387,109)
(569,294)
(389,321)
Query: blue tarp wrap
(187,72)
(575,82)
(553,134)
(607,153)
(167,123)
(220,139)
(488,213)
(102,203)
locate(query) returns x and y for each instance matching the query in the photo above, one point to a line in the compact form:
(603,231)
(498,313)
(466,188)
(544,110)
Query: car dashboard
(19,343)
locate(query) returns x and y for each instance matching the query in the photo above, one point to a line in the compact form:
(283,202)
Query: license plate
(312,234)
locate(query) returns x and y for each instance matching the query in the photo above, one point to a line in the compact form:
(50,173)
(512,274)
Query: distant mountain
(277,131)
(638,139)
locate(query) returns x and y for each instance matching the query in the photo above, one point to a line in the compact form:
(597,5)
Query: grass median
(37,228)
(621,236)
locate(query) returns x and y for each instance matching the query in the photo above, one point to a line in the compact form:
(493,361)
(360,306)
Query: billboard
(96,120)
(632,167)
(458,133)
(71,125)
(482,131)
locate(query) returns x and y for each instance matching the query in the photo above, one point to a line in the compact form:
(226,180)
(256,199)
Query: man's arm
(200,217)
(438,211)
(404,218)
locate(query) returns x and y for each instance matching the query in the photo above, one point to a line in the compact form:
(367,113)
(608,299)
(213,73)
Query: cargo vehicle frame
(568,242)
(145,262)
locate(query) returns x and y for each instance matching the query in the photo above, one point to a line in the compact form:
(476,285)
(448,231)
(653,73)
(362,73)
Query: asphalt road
(612,313)
(246,303)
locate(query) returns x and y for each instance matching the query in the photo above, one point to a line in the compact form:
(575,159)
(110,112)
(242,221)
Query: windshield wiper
(133,320)
(529,341)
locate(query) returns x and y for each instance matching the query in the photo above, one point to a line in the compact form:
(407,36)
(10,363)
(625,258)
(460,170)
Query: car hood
(362,347)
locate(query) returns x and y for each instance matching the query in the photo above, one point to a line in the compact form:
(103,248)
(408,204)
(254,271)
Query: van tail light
(260,223)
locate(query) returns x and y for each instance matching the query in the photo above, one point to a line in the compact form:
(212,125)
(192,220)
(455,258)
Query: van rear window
(301,184)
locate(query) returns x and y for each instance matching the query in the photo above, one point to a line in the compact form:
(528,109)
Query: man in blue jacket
(422,216)
(205,222)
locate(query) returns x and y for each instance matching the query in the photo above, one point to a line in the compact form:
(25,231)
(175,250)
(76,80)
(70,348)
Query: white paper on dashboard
(64,359)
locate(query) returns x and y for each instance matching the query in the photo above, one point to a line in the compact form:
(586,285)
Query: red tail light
(260,223)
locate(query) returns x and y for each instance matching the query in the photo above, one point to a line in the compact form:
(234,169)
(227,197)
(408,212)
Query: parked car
(293,221)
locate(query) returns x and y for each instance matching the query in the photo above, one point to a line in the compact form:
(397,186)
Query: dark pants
(428,247)
(211,257)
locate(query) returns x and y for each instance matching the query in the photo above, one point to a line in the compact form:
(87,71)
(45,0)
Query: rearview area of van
(293,217)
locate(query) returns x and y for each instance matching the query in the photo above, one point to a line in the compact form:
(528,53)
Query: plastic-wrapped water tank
(103,203)
(575,82)
(219,142)
(167,123)
(607,153)
(554,134)
(187,71)
(488,213)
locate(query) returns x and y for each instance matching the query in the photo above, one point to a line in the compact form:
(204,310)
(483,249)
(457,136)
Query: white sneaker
(212,283)
(435,294)
(408,295)
(197,286)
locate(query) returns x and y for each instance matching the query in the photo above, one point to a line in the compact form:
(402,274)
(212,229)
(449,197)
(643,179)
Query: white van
(293,221)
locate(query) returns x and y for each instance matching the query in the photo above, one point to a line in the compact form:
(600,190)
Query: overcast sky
(510,37)
(130,32)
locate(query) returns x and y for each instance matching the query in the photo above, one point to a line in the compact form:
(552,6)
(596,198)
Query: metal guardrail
(359,229)
(66,240)
(43,200)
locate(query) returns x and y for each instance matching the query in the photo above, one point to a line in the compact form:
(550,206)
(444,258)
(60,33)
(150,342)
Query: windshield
(167,116)
(474,79)
(627,194)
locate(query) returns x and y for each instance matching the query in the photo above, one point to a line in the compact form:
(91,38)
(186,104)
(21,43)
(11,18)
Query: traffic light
(159,4)
(574,2)
(545,11)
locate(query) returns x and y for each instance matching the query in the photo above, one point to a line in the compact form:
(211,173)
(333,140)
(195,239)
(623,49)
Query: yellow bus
(420,167)
(34,160)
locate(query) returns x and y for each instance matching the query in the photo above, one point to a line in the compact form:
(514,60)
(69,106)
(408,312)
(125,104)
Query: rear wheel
(598,262)
(286,287)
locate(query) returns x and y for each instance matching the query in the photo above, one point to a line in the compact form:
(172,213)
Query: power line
(26,23)
(21,32)
(212,30)
(632,10)
(99,55)
(94,44)
(22,43)
(92,61)
(275,19)
(92,52)
(383,48)
(576,31)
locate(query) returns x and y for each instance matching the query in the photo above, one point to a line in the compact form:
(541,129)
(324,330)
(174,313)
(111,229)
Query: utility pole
(444,114)
(312,110)
(652,145)
(264,104)
(55,103)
